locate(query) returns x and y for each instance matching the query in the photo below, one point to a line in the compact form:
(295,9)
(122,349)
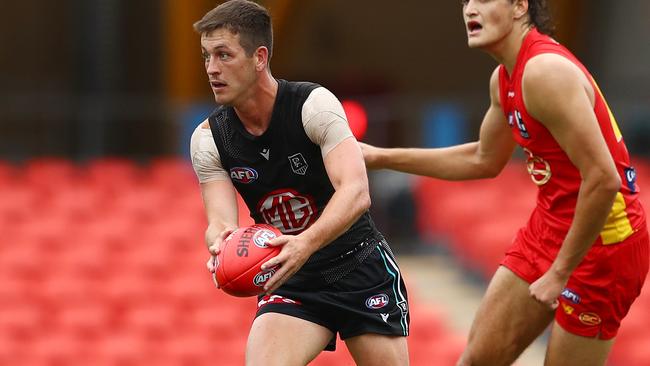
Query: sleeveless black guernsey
(280,174)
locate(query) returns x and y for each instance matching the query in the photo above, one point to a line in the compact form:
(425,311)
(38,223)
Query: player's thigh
(373,349)
(506,322)
(283,340)
(566,349)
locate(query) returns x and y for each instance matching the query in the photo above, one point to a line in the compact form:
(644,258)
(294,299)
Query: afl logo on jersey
(521,126)
(630,179)
(287,210)
(243,175)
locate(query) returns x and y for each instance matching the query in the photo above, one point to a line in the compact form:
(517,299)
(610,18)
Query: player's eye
(206,56)
(224,56)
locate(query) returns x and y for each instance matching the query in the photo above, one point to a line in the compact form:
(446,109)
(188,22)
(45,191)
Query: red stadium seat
(111,176)
(50,173)
(22,319)
(88,318)
(124,348)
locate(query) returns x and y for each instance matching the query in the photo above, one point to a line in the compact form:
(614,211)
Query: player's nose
(469,9)
(213,67)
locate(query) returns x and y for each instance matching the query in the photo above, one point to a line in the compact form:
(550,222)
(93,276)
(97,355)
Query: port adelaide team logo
(298,163)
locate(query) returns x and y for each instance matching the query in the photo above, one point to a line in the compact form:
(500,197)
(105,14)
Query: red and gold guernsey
(549,166)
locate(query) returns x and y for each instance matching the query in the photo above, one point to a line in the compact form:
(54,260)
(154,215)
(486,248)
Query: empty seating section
(478,220)
(104,264)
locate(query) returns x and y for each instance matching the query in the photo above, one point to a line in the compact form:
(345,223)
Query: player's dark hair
(248,19)
(540,16)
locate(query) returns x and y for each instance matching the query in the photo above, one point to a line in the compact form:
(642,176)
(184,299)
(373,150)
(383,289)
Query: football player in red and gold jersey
(585,246)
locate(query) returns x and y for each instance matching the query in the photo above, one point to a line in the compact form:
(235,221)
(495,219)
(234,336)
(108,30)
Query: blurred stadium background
(101,221)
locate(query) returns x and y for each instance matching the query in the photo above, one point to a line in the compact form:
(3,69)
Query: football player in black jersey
(287,149)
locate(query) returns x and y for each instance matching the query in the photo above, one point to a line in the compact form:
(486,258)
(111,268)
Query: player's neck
(255,111)
(507,50)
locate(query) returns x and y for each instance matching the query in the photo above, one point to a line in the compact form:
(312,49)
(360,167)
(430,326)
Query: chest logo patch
(538,168)
(243,174)
(298,163)
(287,210)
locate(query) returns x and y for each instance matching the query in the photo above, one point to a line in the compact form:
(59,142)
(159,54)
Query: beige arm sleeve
(324,120)
(205,156)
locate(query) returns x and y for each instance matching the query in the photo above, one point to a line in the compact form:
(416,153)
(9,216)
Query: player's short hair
(540,16)
(248,19)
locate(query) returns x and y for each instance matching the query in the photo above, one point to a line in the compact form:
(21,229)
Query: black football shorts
(370,299)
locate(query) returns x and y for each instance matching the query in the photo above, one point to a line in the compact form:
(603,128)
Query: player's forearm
(341,212)
(594,204)
(459,162)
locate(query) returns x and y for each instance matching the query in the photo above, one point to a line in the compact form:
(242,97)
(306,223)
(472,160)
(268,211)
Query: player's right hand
(214,244)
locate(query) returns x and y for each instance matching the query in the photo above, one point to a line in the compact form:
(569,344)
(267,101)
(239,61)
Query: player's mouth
(217,85)
(473,27)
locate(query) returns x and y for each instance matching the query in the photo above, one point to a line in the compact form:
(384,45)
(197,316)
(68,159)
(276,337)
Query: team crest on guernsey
(298,163)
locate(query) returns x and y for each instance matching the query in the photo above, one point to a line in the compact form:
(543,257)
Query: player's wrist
(561,271)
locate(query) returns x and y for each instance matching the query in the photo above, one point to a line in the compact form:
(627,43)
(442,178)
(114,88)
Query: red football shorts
(602,288)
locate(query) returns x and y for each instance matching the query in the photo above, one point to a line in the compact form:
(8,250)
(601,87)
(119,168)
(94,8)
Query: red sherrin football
(242,253)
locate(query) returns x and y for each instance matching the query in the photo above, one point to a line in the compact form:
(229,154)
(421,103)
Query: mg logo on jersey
(377,301)
(287,210)
(298,163)
(520,125)
(243,175)
(538,168)
(262,237)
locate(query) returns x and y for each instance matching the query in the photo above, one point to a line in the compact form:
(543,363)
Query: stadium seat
(50,173)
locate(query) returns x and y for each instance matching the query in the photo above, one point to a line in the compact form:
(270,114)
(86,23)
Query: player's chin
(222,99)
(474,43)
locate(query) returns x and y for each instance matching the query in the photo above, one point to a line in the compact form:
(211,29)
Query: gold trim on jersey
(617,227)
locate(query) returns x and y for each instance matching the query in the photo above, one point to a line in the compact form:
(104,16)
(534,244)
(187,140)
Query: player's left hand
(295,252)
(547,289)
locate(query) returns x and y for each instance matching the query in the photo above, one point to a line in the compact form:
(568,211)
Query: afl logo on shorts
(262,237)
(377,301)
(589,318)
(243,175)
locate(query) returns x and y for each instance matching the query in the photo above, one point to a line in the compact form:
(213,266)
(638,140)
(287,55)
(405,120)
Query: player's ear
(521,8)
(261,58)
